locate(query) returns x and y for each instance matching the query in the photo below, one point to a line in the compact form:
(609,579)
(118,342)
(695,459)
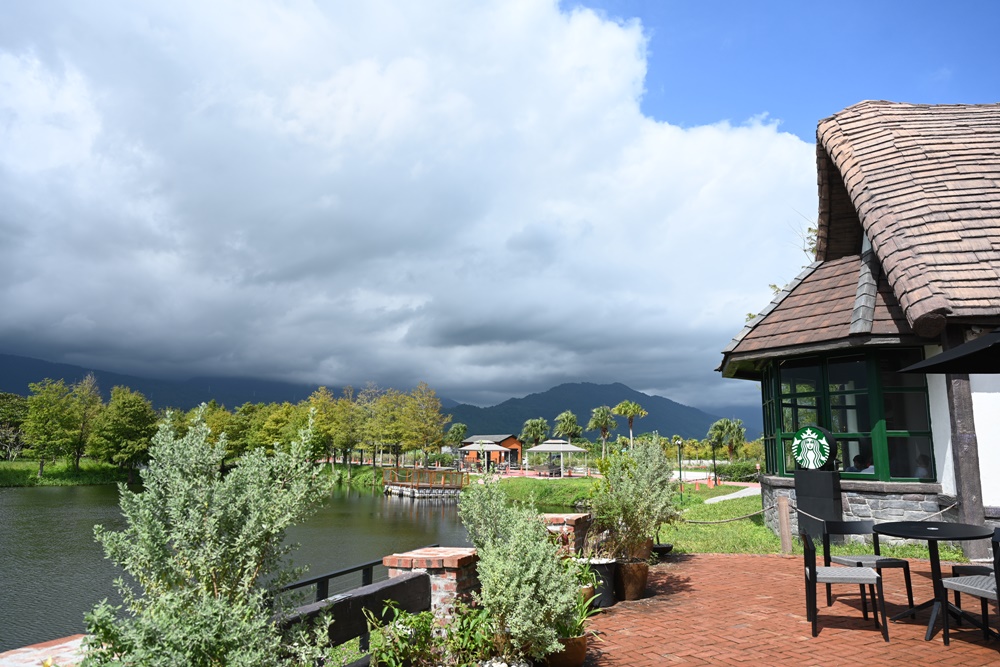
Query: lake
(52,571)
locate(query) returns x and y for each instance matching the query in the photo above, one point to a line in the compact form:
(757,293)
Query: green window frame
(877,414)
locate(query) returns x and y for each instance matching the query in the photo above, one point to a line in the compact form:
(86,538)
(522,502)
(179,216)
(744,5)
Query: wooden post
(784,525)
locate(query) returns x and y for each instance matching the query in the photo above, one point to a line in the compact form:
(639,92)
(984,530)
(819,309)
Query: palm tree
(729,432)
(630,410)
(603,419)
(534,431)
(567,426)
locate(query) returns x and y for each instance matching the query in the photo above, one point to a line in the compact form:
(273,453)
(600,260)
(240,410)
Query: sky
(493,197)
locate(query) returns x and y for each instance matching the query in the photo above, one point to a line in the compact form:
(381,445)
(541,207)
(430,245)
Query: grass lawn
(24,472)
(548,492)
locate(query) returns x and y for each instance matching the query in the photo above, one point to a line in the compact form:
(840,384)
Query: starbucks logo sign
(810,448)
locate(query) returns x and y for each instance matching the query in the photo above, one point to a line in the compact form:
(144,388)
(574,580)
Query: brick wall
(571,530)
(452,571)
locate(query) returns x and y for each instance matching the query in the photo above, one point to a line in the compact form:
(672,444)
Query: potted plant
(573,636)
(526,588)
(633,498)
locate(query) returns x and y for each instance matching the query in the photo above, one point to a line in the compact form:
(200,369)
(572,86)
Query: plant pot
(587,592)
(630,579)
(643,551)
(604,570)
(573,653)
(662,550)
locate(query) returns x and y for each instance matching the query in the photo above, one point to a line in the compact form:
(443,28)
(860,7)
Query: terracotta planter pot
(587,592)
(644,550)
(630,579)
(573,653)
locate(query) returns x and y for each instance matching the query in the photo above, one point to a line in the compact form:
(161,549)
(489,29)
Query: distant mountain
(665,416)
(752,416)
(17,372)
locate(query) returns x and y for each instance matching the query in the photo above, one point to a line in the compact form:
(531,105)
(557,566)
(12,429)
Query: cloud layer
(461,193)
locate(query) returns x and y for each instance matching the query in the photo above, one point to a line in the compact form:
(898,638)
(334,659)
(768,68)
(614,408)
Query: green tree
(456,434)
(603,419)
(728,432)
(124,430)
(425,423)
(13,412)
(630,410)
(86,405)
(567,426)
(49,425)
(534,431)
(347,421)
(206,554)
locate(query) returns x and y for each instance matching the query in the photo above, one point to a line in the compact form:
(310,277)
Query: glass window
(798,412)
(906,412)
(876,413)
(847,373)
(849,413)
(800,376)
(891,361)
(911,456)
(856,454)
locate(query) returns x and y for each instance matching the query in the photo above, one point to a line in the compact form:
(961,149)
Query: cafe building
(907,265)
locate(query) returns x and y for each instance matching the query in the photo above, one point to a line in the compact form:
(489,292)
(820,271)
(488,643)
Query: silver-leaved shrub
(526,589)
(205,555)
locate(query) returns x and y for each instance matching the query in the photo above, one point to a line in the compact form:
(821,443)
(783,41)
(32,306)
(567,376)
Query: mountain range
(665,416)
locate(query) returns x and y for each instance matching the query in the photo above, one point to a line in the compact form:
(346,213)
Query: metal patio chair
(980,581)
(876,561)
(861,576)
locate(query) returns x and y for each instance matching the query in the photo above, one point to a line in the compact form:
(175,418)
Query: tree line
(72,421)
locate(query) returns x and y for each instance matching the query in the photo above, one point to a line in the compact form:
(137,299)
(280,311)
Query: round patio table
(933,532)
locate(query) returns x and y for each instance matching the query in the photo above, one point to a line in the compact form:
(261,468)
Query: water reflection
(52,571)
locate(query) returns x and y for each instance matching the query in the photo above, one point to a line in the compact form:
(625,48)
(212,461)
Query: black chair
(983,583)
(862,576)
(876,561)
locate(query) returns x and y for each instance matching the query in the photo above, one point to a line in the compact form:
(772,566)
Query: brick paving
(717,609)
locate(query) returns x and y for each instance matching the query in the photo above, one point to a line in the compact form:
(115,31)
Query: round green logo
(810,448)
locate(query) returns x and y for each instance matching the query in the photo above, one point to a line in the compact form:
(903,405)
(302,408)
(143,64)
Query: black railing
(322,582)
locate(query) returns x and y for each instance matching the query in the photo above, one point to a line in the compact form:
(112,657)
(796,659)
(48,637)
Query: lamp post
(680,467)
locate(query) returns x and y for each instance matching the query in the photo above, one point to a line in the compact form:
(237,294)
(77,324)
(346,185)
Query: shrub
(633,498)
(205,554)
(525,588)
(738,471)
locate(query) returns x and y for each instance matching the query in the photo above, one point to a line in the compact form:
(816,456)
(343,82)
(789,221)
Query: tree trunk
(41,466)
(131,475)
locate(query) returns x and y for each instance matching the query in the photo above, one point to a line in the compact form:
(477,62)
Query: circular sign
(811,448)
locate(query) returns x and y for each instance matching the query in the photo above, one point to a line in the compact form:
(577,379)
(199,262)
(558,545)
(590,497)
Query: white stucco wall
(937,396)
(986,408)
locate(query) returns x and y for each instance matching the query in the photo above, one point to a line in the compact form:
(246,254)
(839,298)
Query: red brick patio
(715,609)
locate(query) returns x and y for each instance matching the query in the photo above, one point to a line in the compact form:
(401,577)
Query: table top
(933,530)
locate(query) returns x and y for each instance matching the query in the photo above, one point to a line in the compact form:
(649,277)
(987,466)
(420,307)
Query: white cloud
(462,193)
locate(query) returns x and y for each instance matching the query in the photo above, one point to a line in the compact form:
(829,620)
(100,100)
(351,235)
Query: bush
(738,471)
(206,554)
(633,498)
(526,590)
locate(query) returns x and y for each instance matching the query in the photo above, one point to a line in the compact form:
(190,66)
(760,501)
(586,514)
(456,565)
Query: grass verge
(24,472)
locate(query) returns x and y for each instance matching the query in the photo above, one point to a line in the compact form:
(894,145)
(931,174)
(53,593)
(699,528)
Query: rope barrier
(952,506)
(739,518)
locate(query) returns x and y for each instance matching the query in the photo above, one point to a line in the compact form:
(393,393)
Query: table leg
(939,592)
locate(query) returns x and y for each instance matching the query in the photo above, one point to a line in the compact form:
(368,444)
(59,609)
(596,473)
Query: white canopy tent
(484,446)
(557,447)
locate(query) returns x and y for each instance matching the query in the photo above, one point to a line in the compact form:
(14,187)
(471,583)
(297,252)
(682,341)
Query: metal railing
(322,582)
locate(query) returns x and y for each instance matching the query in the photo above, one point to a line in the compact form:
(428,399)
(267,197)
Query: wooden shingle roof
(923,182)
(817,311)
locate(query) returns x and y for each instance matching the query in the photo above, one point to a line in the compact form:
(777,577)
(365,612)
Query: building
(907,265)
(507,440)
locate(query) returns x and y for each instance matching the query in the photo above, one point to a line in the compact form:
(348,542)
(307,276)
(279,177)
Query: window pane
(798,412)
(856,455)
(891,361)
(849,413)
(789,457)
(911,457)
(906,412)
(847,373)
(800,376)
